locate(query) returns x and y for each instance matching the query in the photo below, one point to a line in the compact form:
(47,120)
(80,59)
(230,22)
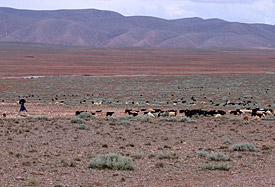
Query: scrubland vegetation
(47,149)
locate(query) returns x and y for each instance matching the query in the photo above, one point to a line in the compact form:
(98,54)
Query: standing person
(22,108)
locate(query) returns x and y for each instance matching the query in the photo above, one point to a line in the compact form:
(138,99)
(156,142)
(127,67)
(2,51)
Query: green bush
(125,122)
(217,156)
(185,119)
(112,161)
(243,147)
(173,119)
(224,167)
(82,127)
(112,119)
(41,118)
(78,121)
(138,155)
(169,155)
(234,120)
(86,115)
(246,122)
(144,118)
(212,156)
(202,153)
(269,118)
(227,141)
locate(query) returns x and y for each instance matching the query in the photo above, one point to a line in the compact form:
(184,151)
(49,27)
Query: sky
(246,11)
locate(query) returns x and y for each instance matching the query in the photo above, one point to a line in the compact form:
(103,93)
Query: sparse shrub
(191,121)
(169,155)
(112,119)
(217,156)
(29,117)
(202,153)
(86,115)
(145,118)
(18,155)
(78,120)
(234,120)
(212,156)
(64,163)
(82,127)
(185,119)
(227,141)
(152,155)
(125,122)
(269,118)
(159,165)
(138,155)
(173,119)
(246,122)
(123,118)
(33,181)
(41,118)
(112,161)
(243,147)
(224,167)
(162,119)
(72,164)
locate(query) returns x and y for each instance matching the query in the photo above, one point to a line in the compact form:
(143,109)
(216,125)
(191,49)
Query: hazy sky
(249,11)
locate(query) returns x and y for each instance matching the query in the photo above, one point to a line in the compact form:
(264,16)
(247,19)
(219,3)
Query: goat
(109,113)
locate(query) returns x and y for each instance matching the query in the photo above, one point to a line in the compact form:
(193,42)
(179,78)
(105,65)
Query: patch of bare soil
(52,151)
(134,62)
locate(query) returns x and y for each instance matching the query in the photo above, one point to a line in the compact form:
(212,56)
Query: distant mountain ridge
(98,28)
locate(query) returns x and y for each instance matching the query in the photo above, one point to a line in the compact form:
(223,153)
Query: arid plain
(44,147)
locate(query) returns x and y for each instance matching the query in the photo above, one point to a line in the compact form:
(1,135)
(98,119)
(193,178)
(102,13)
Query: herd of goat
(256,112)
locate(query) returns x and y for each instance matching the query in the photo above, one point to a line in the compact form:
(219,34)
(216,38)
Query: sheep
(261,111)
(98,104)
(244,111)
(269,112)
(257,118)
(151,115)
(218,115)
(163,114)
(59,104)
(151,110)
(172,114)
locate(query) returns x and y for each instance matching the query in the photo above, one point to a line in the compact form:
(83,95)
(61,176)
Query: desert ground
(50,146)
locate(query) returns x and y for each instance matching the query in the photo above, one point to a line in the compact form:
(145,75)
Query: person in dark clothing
(22,108)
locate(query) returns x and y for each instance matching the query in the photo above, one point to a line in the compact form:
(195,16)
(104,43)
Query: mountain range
(98,28)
